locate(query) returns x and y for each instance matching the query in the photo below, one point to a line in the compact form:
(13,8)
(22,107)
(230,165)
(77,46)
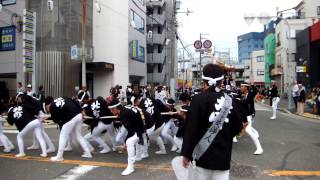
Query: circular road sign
(197,44)
(207,44)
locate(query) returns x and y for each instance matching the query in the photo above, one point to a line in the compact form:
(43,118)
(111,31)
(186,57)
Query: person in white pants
(248,95)
(67,113)
(169,124)
(275,100)
(4,140)
(132,121)
(178,138)
(150,106)
(96,109)
(25,122)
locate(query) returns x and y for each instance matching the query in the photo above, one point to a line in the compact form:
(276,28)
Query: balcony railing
(151,3)
(155,19)
(157,58)
(156,39)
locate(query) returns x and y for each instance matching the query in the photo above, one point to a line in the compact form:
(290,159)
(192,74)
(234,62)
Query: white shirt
(295,90)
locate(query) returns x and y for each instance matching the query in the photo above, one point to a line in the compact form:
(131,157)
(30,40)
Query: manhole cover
(245,171)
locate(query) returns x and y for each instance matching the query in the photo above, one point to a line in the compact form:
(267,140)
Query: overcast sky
(223,19)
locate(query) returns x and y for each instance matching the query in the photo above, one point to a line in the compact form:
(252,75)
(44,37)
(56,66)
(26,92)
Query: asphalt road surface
(291,151)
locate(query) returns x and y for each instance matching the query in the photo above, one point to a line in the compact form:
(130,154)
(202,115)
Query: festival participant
(67,114)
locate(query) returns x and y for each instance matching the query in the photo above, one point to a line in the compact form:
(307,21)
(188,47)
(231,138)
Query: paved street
(291,145)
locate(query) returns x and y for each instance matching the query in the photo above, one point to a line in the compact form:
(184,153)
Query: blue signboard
(8,2)
(7,38)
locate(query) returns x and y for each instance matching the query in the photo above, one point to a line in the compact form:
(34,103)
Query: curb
(306,115)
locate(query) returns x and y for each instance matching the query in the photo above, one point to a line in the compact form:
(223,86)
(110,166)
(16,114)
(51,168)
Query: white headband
(212,81)
(116,105)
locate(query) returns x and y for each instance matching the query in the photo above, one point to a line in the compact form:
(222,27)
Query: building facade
(249,42)
(56,30)
(161,42)
(285,65)
(258,68)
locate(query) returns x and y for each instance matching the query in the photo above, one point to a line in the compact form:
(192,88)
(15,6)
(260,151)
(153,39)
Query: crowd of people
(204,126)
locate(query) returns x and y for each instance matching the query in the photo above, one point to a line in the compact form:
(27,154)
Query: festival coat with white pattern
(203,108)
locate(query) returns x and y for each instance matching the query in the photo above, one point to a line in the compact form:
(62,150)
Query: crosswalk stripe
(76,172)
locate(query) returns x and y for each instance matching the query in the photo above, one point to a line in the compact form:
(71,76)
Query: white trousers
(4,140)
(96,134)
(178,142)
(131,143)
(253,133)
(35,126)
(47,139)
(165,133)
(121,135)
(275,102)
(155,136)
(196,173)
(142,150)
(73,127)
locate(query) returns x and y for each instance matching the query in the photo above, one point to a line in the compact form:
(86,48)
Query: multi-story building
(161,41)
(308,9)
(57,29)
(120,44)
(258,68)
(249,42)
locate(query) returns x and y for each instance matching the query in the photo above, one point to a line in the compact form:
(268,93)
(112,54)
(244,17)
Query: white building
(119,40)
(308,13)
(258,63)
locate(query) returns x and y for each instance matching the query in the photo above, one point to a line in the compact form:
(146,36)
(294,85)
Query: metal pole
(183,69)
(200,71)
(84,6)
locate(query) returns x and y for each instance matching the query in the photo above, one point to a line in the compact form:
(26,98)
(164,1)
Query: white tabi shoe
(86,155)
(129,170)
(161,152)
(51,150)
(258,152)
(56,159)
(105,151)
(174,148)
(272,117)
(68,149)
(32,147)
(20,155)
(43,155)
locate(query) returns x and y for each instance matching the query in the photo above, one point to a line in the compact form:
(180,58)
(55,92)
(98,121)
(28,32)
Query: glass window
(260,58)
(318,10)
(141,53)
(138,21)
(260,73)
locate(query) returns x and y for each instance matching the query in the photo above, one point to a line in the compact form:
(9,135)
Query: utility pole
(84,8)
(200,58)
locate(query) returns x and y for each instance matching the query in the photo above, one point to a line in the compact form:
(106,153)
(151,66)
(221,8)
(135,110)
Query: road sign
(197,44)
(74,52)
(207,44)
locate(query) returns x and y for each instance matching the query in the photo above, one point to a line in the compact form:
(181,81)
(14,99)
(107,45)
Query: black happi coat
(62,110)
(96,109)
(218,155)
(150,105)
(19,116)
(181,124)
(132,121)
(248,102)
(274,92)
(163,109)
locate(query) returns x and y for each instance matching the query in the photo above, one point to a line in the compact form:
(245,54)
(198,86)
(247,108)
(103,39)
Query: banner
(29,40)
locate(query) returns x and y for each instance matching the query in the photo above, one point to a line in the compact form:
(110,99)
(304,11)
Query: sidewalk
(283,106)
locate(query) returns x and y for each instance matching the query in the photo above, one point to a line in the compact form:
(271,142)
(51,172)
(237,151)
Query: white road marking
(76,172)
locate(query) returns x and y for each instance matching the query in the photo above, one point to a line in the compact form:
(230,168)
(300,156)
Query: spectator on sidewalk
(20,87)
(295,90)
(301,99)
(318,99)
(41,95)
